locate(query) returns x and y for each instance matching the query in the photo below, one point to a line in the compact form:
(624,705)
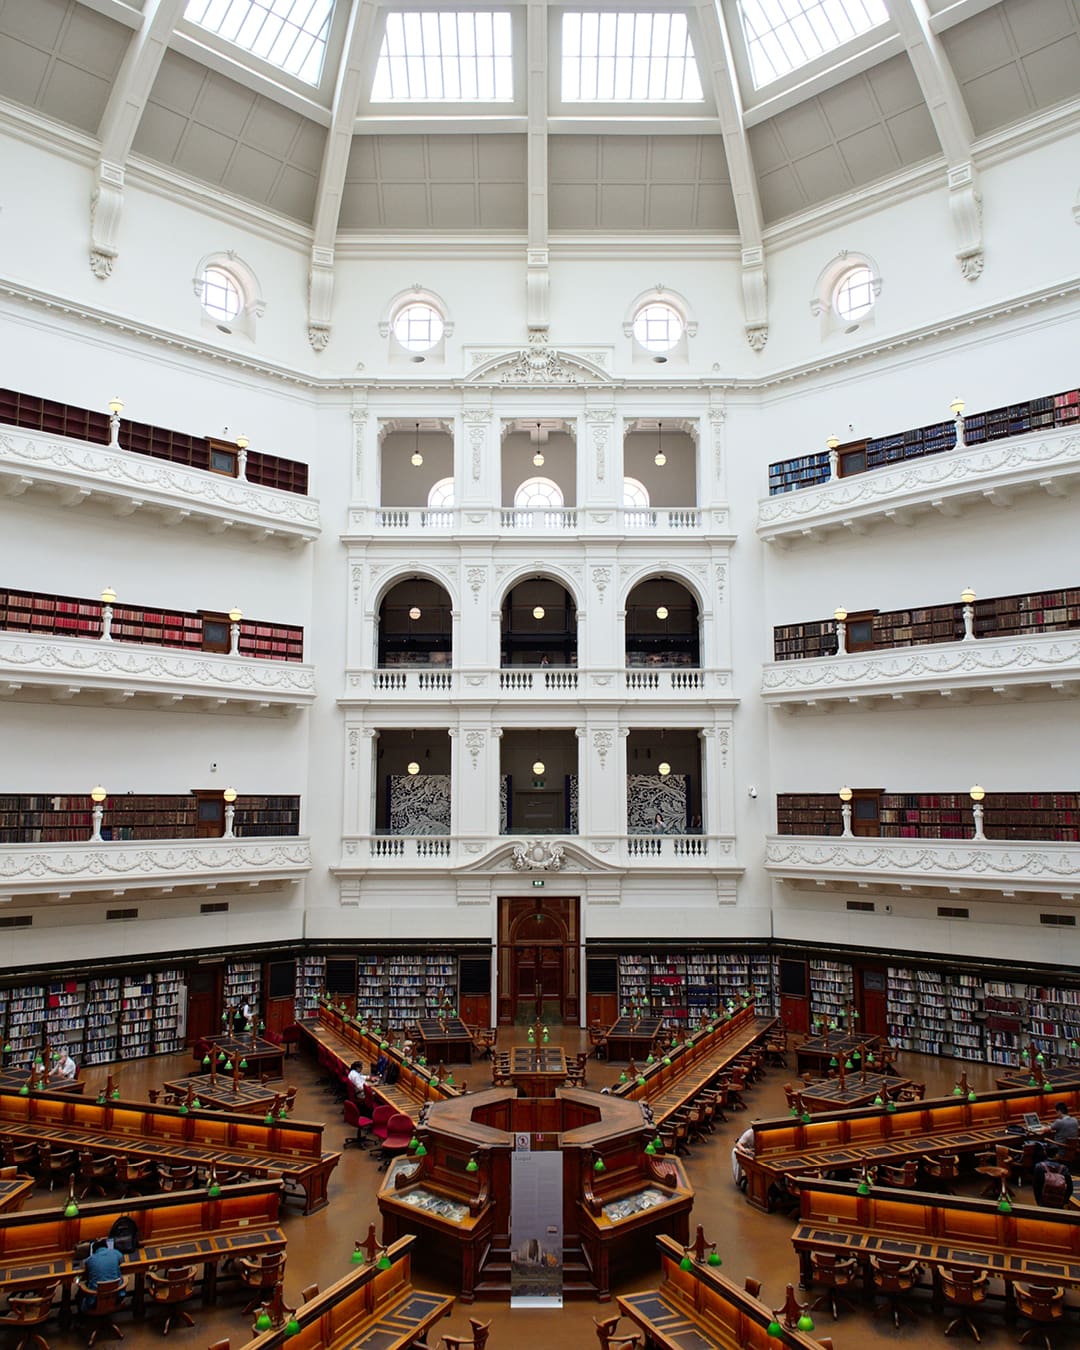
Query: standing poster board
(536,1227)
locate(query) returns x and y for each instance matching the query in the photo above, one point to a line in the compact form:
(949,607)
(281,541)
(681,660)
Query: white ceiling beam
(718,67)
(119,123)
(952,123)
(537,273)
(353,73)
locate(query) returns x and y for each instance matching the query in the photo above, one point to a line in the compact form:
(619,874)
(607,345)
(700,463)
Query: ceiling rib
(352,75)
(119,123)
(537,274)
(952,124)
(718,66)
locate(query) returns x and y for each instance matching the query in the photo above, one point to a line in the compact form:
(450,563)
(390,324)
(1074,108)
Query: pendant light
(661,611)
(417,458)
(538,458)
(660,459)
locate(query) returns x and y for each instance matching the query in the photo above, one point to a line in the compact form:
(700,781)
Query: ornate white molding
(679,686)
(945,482)
(71,666)
(992,665)
(538,363)
(78,471)
(42,869)
(693,523)
(539,855)
(1003,865)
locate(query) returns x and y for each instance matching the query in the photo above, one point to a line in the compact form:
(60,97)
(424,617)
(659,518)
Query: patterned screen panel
(649,796)
(420,804)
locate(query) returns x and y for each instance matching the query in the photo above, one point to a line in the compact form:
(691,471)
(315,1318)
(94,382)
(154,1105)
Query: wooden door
(204,1002)
(865,811)
(794,995)
(209,814)
(871,1001)
(538,960)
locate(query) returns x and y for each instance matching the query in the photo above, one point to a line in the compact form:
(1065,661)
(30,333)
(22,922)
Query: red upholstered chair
(290,1036)
(399,1132)
(355,1118)
(380,1118)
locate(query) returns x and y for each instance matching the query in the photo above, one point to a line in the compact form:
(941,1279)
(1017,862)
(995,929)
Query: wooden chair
(135,1178)
(895,1279)
(1043,1304)
(965,1288)
(103,1304)
(22,1156)
(997,1168)
(598,1041)
(911,1092)
(309,1292)
(477,1341)
(55,1164)
(752,1286)
(262,1274)
(940,1172)
(96,1174)
(776,1050)
(169,1290)
(607,1335)
(903,1178)
(1024,1161)
(29,1310)
(836,1273)
(290,1036)
(290,1098)
(176,1178)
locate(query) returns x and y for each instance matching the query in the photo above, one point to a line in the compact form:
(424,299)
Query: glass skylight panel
(444,57)
(289,34)
(782,35)
(628,58)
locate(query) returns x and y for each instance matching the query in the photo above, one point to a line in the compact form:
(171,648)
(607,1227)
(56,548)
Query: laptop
(1032,1121)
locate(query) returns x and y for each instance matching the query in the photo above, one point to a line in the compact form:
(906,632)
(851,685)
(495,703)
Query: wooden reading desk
(368,1309)
(248,1096)
(632,1037)
(13,1193)
(538,1070)
(178,1227)
(444,1040)
(843,1140)
(852,1090)
(11,1080)
(816,1054)
(1058,1077)
(937,1230)
(263,1057)
(700,1309)
(289,1149)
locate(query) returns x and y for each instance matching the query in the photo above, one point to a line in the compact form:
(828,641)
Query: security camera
(751,791)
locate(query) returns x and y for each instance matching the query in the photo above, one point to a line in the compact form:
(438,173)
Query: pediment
(539,857)
(535,364)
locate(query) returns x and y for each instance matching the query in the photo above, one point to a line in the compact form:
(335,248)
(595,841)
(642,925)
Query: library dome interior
(539,674)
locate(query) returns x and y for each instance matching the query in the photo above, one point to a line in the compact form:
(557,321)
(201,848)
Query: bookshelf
(46,818)
(634,983)
(136,1015)
(26,1012)
(169,994)
(61,419)
(668,989)
(310,982)
(370,990)
(65,1022)
(102,1017)
(703,986)
(1055,1022)
(1015,419)
(1006,1009)
(684,987)
(801,641)
(242,984)
(1051,816)
(406,978)
(966,1000)
(442,981)
(808,813)
(832,988)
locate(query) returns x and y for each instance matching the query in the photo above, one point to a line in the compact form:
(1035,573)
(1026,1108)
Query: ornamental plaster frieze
(579,855)
(71,867)
(85,666)
(946,483)
(78,471)
(1044,659)
(1009,866)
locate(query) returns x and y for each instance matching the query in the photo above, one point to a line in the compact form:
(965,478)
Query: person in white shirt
(65,1067)
(744,1144)
(357,1076)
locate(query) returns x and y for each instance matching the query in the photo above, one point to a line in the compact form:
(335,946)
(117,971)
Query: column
(602,787)
(361,747)
(474,771)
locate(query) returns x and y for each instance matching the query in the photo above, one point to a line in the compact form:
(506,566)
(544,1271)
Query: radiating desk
(817,1053)
(632,1038)
(11,1080)
(1057,1078)
(249,1096)
(445,1040)
(538,1071)
(853,1090)
(263,1057)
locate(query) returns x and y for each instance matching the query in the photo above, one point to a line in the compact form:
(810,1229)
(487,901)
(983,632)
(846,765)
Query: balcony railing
(443,852)
(520,683)
(65,869)
(117,671)
(514,522)
(75,471)
(1006,866)
(993,473)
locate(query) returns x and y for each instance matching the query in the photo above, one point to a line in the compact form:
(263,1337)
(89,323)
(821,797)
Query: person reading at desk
(65,1067)
(103,1263)
(357,1076)
(1061,1134)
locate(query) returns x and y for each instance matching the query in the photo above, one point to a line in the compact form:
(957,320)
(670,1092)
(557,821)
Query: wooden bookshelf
(49,818)
(141,438)
(1050,816)
(77,616)
(808,813)
(1015,419)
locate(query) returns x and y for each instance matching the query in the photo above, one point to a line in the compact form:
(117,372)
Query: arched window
(538,493)
(228,294)
(441,495)
(846,293)
(220,295)
(853,295)
(658,327)
(635,493)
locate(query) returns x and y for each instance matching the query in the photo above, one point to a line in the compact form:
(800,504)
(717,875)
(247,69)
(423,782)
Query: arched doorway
(538,960)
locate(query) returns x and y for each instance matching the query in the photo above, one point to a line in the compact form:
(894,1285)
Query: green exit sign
(537,881)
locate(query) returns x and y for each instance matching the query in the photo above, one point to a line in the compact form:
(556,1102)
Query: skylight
(782,35)
(289,34)
(628,58)
(445,58)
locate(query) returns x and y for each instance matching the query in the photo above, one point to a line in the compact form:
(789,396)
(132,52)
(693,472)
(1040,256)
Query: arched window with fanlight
(441,503)
(636,501)
(538,500)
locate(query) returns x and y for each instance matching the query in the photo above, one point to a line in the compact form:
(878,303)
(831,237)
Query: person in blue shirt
(103,1263)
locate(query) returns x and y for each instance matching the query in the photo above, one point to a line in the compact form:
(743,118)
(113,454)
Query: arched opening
(539,625)
(415,625)
(662,625)
(537,965)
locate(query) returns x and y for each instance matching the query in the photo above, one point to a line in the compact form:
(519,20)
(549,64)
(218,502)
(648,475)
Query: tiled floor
(750,1243)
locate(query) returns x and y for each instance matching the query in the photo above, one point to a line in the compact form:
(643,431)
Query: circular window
(220,295)
(418,327)
(854,294)
(658,327)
